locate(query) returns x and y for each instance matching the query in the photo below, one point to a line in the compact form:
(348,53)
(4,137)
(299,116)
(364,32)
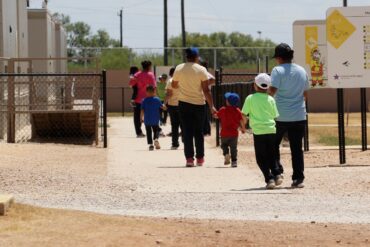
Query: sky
(143,19)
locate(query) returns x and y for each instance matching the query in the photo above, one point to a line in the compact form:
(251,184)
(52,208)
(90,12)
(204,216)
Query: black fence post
(306,132)
(363,119)
(105,127)
(341,131)
(123,101)
(217,103)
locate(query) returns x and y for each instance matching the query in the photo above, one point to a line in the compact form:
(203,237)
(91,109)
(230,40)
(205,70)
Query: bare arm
(273,91)
(142,115)
(211,81)
(175,84)
(305,95)
(169,93)
(242,124)
(208,96)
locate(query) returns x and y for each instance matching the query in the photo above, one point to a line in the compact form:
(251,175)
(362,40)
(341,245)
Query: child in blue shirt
(150,115)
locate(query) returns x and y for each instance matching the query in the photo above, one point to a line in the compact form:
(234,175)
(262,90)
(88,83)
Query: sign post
(348,39)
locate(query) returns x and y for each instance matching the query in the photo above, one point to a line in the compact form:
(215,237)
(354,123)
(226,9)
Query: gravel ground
(129,180)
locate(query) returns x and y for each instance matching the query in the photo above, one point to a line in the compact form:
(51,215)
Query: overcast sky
(143,19)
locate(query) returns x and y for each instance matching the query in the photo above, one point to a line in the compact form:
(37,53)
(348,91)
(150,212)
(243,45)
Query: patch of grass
(332,118)
(328,136)
(329,140)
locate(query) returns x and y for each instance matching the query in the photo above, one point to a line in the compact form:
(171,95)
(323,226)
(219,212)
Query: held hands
(213,111)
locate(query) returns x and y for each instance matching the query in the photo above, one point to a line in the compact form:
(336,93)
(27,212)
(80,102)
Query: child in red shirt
(231,119)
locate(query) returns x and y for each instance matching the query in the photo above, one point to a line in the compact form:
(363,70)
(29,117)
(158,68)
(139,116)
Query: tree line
(80,36)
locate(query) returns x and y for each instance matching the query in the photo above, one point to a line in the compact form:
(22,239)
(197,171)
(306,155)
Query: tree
(65,20)
(102,39)
(237,57)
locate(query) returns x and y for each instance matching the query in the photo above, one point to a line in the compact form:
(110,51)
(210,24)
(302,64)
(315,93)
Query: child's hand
(243,130)
(142,120)
(215,116)
(164,107)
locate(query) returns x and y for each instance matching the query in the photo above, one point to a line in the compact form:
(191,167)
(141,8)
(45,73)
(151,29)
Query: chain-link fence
(60,108)
(120,58)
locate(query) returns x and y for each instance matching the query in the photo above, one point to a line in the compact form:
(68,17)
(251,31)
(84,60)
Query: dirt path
(29,226)
(126,179)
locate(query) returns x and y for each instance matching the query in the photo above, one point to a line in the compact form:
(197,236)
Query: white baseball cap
(263,81)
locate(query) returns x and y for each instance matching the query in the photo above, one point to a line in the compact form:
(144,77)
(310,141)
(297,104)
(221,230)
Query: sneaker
(227,159)
(151,147)
(271,185)
(298,184)
(279,180)
(234,164)
(190,162)
(174,147)
(200,162)
(156,144)
(140,135)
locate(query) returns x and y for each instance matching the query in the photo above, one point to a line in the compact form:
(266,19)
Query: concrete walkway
(127,179)
(164,170)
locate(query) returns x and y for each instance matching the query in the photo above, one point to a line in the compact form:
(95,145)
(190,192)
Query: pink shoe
(200,162)
(190,162)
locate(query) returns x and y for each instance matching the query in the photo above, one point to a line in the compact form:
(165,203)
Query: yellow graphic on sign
(311,34)
(338,29)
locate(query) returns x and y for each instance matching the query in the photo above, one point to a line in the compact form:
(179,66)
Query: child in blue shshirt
(150,116)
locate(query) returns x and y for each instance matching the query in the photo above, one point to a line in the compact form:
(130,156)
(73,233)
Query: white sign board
(348,41)
(310,51)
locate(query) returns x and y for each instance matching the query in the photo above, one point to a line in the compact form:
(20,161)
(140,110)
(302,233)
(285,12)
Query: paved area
(129,180)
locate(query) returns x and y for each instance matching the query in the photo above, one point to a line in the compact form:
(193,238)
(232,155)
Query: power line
(138,4)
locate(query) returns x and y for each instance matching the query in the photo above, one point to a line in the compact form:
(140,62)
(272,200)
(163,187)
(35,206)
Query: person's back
(192,81)
(190,77)
(144,79)
(291,80)
(150,116)
(262,112)
(230,117)
(231,120)
(289,86)
(151,106)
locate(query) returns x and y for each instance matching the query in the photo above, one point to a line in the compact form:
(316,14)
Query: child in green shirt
(262,111)
(161,93)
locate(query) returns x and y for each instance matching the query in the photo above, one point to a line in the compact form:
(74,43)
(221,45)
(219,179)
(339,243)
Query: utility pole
(259,34)
(165,43)
(183,26)
(120,14)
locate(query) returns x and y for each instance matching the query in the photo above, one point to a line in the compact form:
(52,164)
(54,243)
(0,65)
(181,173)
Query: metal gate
(58,108)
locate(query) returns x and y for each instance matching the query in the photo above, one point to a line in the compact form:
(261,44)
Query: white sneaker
(227,160)
(156,144)
(279,179)
(298,184)
(271,185)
